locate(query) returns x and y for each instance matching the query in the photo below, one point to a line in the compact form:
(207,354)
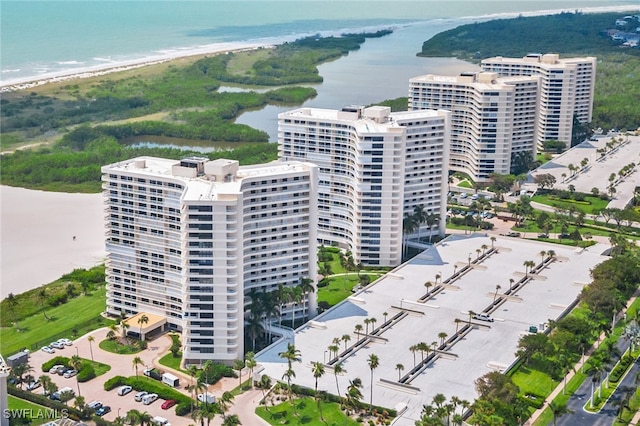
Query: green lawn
(532,381)
(339,287)
(172,362)
(21,404)
(114,346)
(98,367)
(591,205)
(465,184)
(307,414)
(73,319)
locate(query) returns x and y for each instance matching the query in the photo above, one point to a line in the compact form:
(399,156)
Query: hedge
(58,360)
(152,386)
(620,369)
(86,373)
(73,413)
(300,390)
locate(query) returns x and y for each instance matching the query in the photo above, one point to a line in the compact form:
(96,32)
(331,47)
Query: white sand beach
(36,236)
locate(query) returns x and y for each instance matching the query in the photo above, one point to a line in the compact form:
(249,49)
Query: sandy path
(36,236)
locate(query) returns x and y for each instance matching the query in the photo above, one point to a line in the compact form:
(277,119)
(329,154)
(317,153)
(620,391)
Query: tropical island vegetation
(98,120)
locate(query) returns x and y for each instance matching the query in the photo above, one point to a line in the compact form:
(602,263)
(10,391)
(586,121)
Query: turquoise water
(43,37)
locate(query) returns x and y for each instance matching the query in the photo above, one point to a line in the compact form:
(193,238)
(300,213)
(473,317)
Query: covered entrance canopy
(144,323)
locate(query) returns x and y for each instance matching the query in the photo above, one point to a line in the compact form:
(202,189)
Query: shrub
(36,398)
(58,360)
(86,373)
(114,382)
(323,283)
(579,196)
(183,408)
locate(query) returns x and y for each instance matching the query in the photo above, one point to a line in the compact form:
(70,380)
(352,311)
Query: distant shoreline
(22,83)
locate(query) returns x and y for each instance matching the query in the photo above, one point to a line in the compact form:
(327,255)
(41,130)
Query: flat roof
(485,346)
(155,321)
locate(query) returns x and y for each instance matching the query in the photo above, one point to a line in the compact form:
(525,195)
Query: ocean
(40,39)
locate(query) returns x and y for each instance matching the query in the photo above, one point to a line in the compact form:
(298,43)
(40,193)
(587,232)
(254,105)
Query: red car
(168,404)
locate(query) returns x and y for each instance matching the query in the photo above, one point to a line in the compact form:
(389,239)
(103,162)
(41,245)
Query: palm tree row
(413,222)
(266,306)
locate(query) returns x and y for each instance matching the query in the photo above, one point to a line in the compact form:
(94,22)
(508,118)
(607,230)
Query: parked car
(65,342)
(543,235)
(513,234)
(70,373)
(55,368)
(168,404)
(94,405)
(483,317)
(563,236)
(48,349)
(103,410)
(123,390)
(153,373)
(33,385)
(63,370)
(138,397)
(56,345)
(149,399)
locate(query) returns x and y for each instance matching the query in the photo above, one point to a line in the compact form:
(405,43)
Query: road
(608,413)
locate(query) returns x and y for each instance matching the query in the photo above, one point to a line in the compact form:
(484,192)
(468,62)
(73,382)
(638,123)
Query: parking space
(121,365)
(488,346)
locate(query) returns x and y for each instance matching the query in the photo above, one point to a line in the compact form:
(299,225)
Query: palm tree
(239,364)
(372,321)
(113,329)
(291,355)
(306,287)
(232,420)
(75,363)
(133,417)
(91,339)
(542,255)
(558,410)
(346,338)
(530,264)
(142,321)
(427,285)
(498,287)
(373,362)
(46,382)
(493,240)
(42,295)
(442,335)
(484,248)
(333,349)
(318,372)
(409,225)
(224,402)
(296,296)
(338,369)
(366,325)
(136,362)
(399,367)
(414,349)
(471,314)
(511,281)
(254,329)
(353,392)
(431,220)
(384,315)
(358,330)
(251,363)
(145,418)
(124,325)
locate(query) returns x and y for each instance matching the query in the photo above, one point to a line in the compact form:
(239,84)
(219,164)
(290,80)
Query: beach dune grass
(306,413)
(76,315)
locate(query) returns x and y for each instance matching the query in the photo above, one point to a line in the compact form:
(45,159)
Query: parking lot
(598,170)
(487,346)
(121,365)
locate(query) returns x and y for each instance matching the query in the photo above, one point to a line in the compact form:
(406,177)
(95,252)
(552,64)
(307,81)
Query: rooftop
(469,272)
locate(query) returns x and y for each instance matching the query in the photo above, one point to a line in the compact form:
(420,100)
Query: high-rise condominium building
(374,167)
(566,90)
(187,240)
(493,120)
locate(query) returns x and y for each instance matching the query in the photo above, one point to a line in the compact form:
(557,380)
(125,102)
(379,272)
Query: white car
(138,397)
(48,349)
(33,385)
(70,373)
(483,317)
(56,345)
(94,405)
(66,342)
(55,368)
(123,390)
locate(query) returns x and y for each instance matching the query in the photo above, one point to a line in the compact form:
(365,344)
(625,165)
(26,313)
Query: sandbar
(36,236)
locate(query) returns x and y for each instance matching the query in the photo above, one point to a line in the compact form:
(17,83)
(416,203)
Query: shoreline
(23,83)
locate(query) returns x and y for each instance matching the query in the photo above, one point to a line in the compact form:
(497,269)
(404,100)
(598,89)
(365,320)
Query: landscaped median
(88,369)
